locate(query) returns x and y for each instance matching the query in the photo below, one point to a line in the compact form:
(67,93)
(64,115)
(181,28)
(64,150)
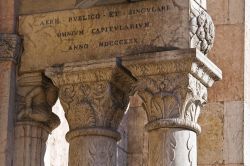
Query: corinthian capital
(93,94)
(173,86)
(9,47)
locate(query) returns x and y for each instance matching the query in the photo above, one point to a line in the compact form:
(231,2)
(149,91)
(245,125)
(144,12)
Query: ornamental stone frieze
(202,29)
(94,96)
(173,87)
(36,95)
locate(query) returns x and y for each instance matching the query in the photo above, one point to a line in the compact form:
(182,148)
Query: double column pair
(172,85)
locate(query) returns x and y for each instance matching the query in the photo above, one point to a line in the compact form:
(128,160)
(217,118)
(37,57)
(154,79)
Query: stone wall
(222,139)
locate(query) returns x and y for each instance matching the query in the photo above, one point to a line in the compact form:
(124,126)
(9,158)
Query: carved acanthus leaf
(172,96)
(93,95)
(93,104)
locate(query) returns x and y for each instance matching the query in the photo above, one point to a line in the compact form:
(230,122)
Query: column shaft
(88,148)
(9,52)
(7,100)
(30,141)
(137,135)
(172,147)
(34,118)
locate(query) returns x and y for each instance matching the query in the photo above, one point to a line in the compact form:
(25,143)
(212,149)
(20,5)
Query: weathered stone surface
(7,86)
(108,31)
(170,146)
(246,134)
(229,56)
(9,47)
(234,132)
(211,139)
(246,57)
(223,136)
(226,12)
(137,135)
(36,95)
(30,144)
(122,144)
(7,16)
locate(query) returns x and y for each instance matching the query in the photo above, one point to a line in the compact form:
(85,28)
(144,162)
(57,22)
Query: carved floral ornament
(92,95)
(174,100)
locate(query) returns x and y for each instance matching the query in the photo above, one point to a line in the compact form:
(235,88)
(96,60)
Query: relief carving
(101,154)
(92,98)
(190,148)
(93,104)
(172,96)
(171,147)
(36,96)
(9,47)
(202,29)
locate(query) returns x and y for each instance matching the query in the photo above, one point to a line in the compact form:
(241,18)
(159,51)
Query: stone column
(9,52)
(94,96)
(36,95)
(137,136)
(173,86)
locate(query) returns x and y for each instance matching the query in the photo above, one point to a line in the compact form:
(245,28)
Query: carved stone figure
(36,95)
(35,100)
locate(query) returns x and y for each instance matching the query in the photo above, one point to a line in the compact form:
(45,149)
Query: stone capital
(173,86)
(94,94)
(9,47)
(36,95)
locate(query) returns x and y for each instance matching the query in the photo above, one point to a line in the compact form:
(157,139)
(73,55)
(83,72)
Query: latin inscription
(105,31)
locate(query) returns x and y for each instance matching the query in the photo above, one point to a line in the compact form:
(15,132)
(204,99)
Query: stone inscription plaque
(106,31)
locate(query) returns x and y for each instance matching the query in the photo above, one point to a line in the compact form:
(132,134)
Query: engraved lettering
(148,10)
(70,33)
(114,13)
(124,27)
(85,17)
(53,21)
(118,42)
(78,47)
